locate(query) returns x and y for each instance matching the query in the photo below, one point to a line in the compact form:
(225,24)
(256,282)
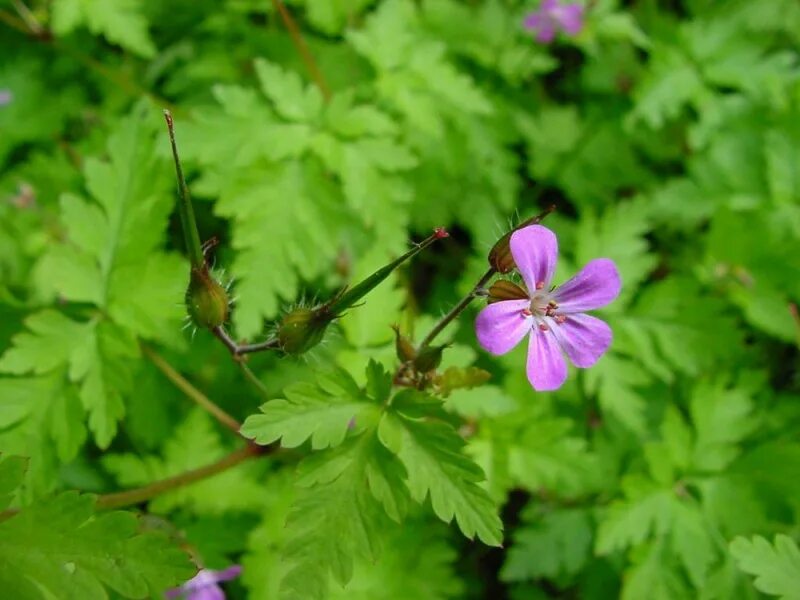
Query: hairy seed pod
(206,300)
(302,329)
(429,358)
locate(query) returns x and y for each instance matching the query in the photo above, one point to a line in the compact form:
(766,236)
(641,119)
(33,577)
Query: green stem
(188,222)
(192,392)
(248,373)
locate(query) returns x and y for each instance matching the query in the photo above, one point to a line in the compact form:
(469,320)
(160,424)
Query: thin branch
(141,494)
(237,349)
(147,492)
(302,48)
(457,309)
(28,17)
(248,373)
(192,392)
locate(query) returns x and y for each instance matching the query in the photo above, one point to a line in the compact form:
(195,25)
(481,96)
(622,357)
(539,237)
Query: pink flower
(203,586)
(554,318)
(552,17)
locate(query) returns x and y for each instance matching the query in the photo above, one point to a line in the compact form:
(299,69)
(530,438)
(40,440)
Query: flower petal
(502,325)
(546,33)
(547,368)
(229,573)
(596,285)
(570,17)
(535,252)
(210,592)
(584,338)
(532,21)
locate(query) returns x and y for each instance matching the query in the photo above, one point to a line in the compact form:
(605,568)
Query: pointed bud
(302,329)
(403,346)
(503,289)
(500,255)
(206,300)
(429,358)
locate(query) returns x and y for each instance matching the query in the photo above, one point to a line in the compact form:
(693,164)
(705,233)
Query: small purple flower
(554,318)
(553,16)
(203,586)
(5,97)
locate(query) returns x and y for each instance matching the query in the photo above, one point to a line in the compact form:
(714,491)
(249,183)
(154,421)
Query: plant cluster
(333,359)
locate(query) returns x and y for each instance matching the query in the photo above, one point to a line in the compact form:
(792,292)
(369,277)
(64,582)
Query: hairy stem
(457,309)
(237,349)
(141,494)
(188,222)
(28,17)
(147,492)
(302,48)
(192,392)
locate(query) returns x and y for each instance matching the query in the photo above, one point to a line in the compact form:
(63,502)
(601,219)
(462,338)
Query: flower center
(542,305)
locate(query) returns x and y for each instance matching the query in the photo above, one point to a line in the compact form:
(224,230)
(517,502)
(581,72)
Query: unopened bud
(503,289)
(500,255)
(403,346)
(206,300)
(429,358)
(302,329)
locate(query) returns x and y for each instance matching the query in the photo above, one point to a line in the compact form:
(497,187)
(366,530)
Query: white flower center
(542,306)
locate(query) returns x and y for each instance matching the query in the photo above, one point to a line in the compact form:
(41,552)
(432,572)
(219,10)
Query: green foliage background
(668,135)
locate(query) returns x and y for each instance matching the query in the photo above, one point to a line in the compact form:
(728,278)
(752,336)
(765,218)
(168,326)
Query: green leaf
(432,454)
(119,21)
(722,418)
(12,472)
(58,548)
(629,523)
(776,566)
(115,237)
(322,412)
(557,544)
(97,354)
(293,100)
(334,521)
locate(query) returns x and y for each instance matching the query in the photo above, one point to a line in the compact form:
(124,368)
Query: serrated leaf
(293,100)
(58,548)
(12,472)
(557,544)
(332,523)
(323,412)
(776,566)
(119,21)
(432,454)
